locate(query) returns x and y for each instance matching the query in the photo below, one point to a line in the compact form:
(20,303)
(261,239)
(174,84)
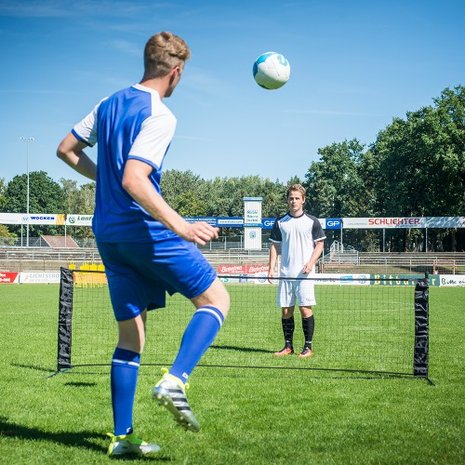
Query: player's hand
(200,233)
(270,277)
(308,267)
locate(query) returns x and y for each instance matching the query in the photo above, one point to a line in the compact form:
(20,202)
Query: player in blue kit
(147,248)
(298,237)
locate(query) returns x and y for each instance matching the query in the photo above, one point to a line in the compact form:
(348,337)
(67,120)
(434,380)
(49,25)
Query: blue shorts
(140,273)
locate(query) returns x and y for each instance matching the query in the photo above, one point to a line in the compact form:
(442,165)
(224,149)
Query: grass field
(354,326)
(248,416)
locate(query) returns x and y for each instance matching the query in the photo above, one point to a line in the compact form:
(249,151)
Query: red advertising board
(8,277)
(242,269)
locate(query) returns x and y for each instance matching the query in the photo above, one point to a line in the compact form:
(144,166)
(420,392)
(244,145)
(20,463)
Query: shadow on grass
(349,373)
(80,384)
(32,367)
(80,439)
(242,349)
(52,373)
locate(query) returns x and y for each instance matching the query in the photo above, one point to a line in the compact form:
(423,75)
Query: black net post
(65,313)
(421,348)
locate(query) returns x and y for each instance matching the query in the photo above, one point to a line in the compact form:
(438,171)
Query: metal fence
(40,256)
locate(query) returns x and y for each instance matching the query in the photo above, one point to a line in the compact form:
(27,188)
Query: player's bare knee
(287,312)
(306,312)
(216,295)
(132,334)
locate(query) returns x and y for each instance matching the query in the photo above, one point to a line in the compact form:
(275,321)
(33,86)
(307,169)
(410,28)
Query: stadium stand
(57,242)
(51,259)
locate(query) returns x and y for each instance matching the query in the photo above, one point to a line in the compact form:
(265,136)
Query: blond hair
(164,51)
(296,187)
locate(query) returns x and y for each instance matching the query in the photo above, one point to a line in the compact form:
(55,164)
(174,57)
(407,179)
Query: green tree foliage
(422,160)
(3,199)
(335,186)
(79,201)
(226,195)
(340,185)
(45,196)
(420,164)
(6,237)
(185,192)
(191,195)
(70,190)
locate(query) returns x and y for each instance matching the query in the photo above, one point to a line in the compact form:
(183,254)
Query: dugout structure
(361,325)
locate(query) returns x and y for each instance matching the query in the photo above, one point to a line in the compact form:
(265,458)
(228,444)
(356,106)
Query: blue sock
(197,338)
(124,372)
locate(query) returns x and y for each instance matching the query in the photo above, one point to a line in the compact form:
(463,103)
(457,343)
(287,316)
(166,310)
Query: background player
(299,238)
(147,247)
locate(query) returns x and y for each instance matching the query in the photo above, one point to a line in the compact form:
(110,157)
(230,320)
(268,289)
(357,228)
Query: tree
(45,196)
(335,186)
(6,237)
(225,195)
(70,190)
(3,199)
(421,164)
(79,201)
(185,192)
(294,180)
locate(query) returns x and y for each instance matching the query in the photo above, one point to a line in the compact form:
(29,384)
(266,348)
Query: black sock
(308,326)
(288,330)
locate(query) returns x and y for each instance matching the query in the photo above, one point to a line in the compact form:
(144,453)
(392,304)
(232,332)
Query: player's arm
(317,251)
(137,184)
(275,248)
(71,151)
(273,256)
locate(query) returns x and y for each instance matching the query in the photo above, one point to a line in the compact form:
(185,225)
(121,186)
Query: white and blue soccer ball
(271,70)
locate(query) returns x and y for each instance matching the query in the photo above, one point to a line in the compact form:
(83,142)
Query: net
(360,325)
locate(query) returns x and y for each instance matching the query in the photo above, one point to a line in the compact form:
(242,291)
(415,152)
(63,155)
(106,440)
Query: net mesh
(365,326)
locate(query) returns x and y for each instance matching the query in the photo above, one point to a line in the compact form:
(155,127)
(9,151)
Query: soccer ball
(271,70)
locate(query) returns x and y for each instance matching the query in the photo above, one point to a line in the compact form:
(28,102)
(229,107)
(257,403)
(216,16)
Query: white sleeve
(86,129)
(153,140)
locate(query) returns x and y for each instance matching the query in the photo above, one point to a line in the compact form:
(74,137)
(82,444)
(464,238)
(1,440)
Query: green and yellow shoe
(130,444)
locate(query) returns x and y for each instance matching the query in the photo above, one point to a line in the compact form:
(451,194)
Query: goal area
(362,324)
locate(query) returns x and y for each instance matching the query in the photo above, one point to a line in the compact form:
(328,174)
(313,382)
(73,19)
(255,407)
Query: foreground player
(300,237)
(147,248)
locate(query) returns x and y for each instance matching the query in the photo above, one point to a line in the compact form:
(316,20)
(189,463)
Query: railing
(39,253)
(41,257)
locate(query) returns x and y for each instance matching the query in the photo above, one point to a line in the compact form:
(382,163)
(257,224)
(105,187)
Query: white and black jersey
(297,236)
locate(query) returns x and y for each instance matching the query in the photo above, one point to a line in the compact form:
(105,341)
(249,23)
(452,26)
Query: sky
(355,65)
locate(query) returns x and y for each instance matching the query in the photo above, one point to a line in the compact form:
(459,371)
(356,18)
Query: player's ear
(175,73)
(172,75)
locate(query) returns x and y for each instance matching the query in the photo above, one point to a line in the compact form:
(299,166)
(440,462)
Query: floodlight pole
(27,140)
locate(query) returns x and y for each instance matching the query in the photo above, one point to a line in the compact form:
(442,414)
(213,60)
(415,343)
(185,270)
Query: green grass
(354,326)
(248,416)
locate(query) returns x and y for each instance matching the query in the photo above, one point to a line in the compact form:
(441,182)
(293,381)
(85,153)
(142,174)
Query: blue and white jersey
(297,236)
(133,123)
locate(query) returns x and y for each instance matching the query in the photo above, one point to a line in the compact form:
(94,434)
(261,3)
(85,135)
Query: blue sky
(354,66)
